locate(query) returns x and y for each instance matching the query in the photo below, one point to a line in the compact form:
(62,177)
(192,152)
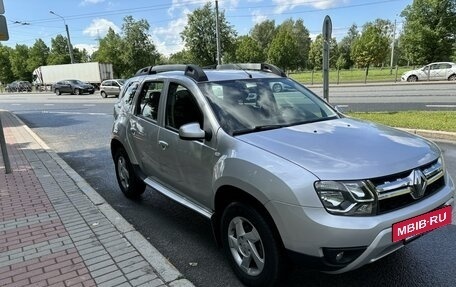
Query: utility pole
(70,48)
(392,48)
(327,31)
(217,33)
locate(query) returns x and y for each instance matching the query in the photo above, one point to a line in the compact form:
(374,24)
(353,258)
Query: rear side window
(149,99)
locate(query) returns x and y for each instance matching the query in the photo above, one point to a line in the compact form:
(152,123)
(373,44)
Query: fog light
(342,256)
(339,256)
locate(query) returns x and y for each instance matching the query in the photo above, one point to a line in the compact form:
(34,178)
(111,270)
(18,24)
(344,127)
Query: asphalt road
(78,128)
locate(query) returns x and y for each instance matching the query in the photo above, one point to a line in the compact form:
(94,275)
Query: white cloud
(100,27)
(285,5)
(89,2)
(257,17)
(89,48)
(167,39)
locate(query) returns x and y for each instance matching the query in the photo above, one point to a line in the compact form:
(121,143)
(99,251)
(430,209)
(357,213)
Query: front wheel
(103,94)
(412,78)
(130,184)
(452,78)
(250,245)
(77,91)
(58,92)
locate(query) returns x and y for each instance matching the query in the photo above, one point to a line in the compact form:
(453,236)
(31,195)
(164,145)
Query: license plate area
(412,228)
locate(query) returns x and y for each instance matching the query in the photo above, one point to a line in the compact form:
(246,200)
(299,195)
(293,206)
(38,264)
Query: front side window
(128,95)
(181,107)
(243,106)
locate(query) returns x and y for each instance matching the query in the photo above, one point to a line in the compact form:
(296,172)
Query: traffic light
(3,28)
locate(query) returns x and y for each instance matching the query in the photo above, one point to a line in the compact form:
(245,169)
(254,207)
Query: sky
(89,20)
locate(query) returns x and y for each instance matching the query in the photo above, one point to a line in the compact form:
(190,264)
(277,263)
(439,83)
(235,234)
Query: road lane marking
(49,104)
(76,113)
(89,105)
(441,106)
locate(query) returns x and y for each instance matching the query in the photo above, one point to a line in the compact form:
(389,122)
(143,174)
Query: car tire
(130,184)
(412,78)
(452,77)
(255,255)
(277,88)
(103,94)
(57,92)
(76,91)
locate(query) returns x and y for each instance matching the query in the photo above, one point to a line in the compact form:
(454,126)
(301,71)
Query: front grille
(402,189)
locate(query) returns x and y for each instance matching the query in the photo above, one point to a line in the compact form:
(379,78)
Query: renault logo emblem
(418,183)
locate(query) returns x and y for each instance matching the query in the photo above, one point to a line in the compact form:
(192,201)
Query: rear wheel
(103,94)
(58,92)
(130,184)
(77,91)
(412,78)
(250,245)
(276,88)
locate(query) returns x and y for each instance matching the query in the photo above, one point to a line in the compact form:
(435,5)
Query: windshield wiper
(258,128)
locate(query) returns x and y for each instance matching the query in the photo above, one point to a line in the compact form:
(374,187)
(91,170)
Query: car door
(144,127)
(186,165)
(437,73)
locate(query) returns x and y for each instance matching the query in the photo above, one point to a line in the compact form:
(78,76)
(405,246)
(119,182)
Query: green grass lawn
(351,76)
(436,120)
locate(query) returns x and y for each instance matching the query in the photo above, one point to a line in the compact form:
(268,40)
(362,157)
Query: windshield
(243,106)
(77,82)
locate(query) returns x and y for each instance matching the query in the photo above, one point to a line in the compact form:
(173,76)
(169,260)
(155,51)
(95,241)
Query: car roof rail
(264,67)
(193,71)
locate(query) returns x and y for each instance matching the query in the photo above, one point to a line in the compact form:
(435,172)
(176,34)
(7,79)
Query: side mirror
(191,131)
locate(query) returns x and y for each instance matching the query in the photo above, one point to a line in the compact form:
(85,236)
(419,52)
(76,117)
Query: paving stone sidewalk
(55,230)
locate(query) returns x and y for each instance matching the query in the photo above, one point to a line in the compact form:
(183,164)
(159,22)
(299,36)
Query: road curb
(170,275)
(433,135)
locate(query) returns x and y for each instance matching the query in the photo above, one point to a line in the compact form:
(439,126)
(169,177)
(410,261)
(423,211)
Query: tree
(110,51)
(371,48)
(138,49)
(19,58)
(199,35)
(302,40)
(81,56)
(345,47)
(283,50)
(38,55)
(429,32)
(59,51)
(182,57)
(249,51)
(6,74)
(263,33)
(316,53)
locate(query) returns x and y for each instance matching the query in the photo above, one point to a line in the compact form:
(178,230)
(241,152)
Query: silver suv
(280,175)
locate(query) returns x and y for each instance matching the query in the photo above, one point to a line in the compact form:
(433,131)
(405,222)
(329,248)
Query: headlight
(354,198)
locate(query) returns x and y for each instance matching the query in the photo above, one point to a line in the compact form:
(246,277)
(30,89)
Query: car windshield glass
(76,82)
(243,106)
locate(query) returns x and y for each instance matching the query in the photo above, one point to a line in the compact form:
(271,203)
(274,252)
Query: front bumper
(308,231)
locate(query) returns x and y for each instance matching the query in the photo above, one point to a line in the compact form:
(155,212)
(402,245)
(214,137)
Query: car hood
(346,148)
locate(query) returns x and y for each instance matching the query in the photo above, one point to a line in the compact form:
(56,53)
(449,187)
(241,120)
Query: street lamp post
(70,48)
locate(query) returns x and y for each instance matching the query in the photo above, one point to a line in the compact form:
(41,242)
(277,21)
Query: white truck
(92,72)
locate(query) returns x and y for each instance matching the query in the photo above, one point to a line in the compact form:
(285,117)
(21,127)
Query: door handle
(163,144)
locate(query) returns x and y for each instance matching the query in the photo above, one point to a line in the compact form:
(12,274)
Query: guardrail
(3,148)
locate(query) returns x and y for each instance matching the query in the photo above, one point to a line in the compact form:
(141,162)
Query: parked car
(280,176)
(19,86)
(74,87)
(111,87)
(432,72)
